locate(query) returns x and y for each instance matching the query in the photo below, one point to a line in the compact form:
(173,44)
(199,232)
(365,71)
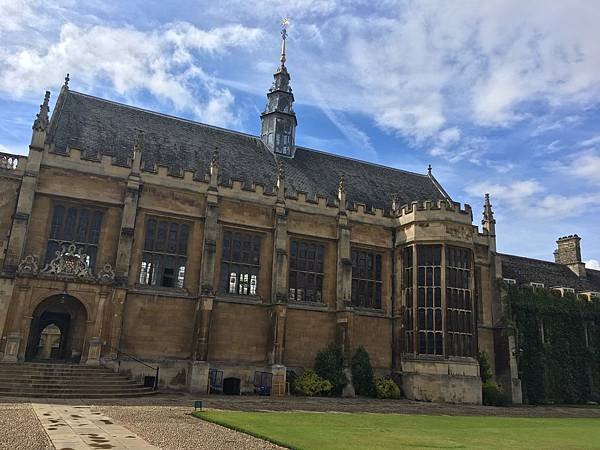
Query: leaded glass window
(459,307)
(306,271)
(75,225)
(165,253)
(429,300)
(366,279)
(408,290)
(240,262)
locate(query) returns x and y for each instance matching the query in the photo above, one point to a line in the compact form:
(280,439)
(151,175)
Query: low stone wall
(442,388)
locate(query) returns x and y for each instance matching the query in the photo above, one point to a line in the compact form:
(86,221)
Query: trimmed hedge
(387,388)
(310,384)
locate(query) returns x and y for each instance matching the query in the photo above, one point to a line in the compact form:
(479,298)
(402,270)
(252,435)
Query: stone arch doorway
(57,330)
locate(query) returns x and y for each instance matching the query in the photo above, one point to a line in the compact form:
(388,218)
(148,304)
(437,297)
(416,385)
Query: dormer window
(535,285)
(510,281)
(563,290)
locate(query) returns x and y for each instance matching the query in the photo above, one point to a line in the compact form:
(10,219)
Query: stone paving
(81,428)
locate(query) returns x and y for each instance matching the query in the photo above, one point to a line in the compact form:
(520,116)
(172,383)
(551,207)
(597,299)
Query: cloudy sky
(499,96)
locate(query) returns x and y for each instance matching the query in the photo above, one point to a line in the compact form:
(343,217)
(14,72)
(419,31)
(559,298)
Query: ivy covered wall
(558,341)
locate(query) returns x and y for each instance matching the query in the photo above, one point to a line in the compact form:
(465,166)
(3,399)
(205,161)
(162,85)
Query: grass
(332,431)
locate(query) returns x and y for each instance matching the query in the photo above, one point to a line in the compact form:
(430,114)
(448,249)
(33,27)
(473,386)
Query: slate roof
(101,127)
(527,270)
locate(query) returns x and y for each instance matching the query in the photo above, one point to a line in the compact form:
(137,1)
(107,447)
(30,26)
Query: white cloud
(583,166)
(163,62)
(514,193)
(527,198)
(592,264)
(591,142)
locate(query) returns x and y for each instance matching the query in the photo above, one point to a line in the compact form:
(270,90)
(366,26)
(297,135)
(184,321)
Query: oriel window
(75,225)
(165,253)
(366,279)
(240,262)
(306,271)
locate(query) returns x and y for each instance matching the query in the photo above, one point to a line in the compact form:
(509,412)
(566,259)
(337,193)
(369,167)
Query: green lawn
(305,430)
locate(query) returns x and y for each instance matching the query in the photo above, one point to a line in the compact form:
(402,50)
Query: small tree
(329,364)
(485,369)
(362,373)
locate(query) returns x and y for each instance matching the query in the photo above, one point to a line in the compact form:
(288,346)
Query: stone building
(194,247)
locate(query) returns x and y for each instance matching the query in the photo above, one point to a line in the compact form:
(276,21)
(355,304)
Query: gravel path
(20,428)
(172,428)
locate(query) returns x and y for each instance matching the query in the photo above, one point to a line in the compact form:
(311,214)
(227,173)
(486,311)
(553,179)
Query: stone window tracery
(74,225)
(430,332)
(437,299)
(459,307)
(366,279)
(240,262)
(407,287)
(306,271)
(165,253)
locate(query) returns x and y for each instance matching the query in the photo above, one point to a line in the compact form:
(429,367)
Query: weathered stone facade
(425,304)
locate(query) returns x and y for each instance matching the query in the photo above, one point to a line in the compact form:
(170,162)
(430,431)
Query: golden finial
(284,24)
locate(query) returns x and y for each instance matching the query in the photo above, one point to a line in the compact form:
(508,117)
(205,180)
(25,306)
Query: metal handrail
(119,352)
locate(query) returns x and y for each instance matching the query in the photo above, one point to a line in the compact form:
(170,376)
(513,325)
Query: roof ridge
(361,161)
(168,116)
(531,259)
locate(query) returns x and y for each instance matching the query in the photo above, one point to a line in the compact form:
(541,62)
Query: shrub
(387,388)
(493,395)
(329,364)
(310,384)
(362,373)
(485,369)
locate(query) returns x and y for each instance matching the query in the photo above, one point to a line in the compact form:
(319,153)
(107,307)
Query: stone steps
(51,380)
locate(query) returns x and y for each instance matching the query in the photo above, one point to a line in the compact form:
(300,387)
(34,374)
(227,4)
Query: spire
(279,122)
(41,121)
(284,23)
(488,222)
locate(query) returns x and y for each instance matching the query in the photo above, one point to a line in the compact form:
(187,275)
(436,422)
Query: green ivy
(561,368)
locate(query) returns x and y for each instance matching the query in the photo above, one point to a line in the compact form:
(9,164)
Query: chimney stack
(568,253)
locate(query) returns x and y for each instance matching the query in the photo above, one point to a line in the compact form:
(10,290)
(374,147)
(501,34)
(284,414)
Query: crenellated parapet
(434,221)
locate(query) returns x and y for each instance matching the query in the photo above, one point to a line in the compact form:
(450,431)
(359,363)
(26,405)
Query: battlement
(433,205)
(198,180)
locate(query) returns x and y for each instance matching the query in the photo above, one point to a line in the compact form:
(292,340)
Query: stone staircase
(66,381)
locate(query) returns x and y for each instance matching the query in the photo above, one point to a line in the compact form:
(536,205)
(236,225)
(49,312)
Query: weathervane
(284,24)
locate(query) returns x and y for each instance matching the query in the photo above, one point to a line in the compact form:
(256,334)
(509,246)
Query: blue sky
(498,96)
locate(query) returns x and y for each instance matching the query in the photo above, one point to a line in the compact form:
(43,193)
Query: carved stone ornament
(28,266)
(70,262)
(106,275)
